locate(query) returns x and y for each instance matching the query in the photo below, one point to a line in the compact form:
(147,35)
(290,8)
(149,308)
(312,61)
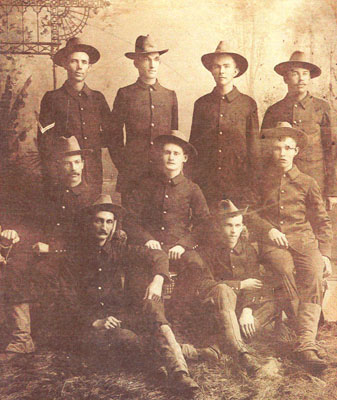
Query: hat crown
(227,207)
(299,56)
(74,41)
(283,124)
(145,44)
(66,144)
(222,47)
(102,199)
(180,135)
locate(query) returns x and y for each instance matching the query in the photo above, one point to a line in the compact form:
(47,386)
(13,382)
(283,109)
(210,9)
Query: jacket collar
(238,249)
(73,92)
(303,103)
(143,85)
(174,181)
(229,97)
(293,173)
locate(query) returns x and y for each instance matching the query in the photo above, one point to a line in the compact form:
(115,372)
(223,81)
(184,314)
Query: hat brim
(299,136)
(283,67)
(240,61)
(159,141)
(117,210)
(133,55)
(230,214)
(83,153)
(61,56)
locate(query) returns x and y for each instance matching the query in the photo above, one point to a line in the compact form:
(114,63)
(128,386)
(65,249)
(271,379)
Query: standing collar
(155,86)
(77,190)
(173,181)
(293,173)
(238,249)
(232,95)
(73,92)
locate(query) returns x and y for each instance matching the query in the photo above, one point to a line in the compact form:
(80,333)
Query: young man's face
(297,80)
(77,66)
(232,228)
(224,69)
(173,157)
(70,170)
(103,225)
(284,151)
(147,65)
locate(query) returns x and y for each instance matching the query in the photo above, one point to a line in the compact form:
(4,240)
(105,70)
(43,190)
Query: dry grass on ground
(53,374)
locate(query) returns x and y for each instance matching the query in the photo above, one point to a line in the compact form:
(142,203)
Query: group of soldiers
(101,266)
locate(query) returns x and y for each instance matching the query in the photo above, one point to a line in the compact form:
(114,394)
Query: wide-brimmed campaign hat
(298,59)
(73,45)
(179,138)
(144,45)
(68,146)
(227,209)
(104,203)
(240,61)
(285,129)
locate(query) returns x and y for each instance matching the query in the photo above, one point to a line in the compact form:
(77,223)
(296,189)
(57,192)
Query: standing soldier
(311,115)
(147,110)
(225,131)
(75,110)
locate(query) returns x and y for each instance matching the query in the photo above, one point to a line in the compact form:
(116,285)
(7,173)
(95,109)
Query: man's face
(77,66)
(297,80)
(103,225)
(70,170)
(284,151)
(148,65)
(232,228)
(173,157)
(224,69)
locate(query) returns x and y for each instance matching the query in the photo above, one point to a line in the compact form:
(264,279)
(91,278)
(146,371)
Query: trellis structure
(37,27)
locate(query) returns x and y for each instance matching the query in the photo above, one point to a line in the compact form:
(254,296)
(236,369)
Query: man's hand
(251,284)
(176,252)
(40,248)
(154,290)
(247,322)
(327,271)
(153,244)
(278,238)
(107,323)
(9,237)
(331,202)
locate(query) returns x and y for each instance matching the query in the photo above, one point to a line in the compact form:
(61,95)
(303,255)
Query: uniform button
(223,97)
(67,191)
(101,303)
(80,94)
(56,251)
(152,106)
(100,269)
(221,115)
(295,105)
(83,123)
(151,89)
(85,138)
(162,243)
(281,222)
(233,266)
(82,108)
(220,133)
(99,288)
(281,207)
(284,175)
(63,207)
(295,122)
(164,212)
(299,120)
(58,224)
(151,143)
(152,124)
(162,228)
(219,168)
(282,191)
(232,251)
(220,150)
(166,196)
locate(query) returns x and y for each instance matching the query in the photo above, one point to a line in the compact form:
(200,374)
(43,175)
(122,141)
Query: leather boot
(211,353)
(170,350)
(231,335)
(18,317)
(307,326)
(249,363)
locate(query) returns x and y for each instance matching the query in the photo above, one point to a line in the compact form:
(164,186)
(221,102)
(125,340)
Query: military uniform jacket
(312,115)
(146,111)
(225,132)
(292,203)
(90,278)
(85,115)
(230,267)
(171,211)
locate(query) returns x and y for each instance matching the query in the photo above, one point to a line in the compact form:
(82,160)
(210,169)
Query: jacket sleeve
(175,119)
(253,140)
(200,218)
(328,139)
(46,126)
(319,219)
(105,120)
(117,121)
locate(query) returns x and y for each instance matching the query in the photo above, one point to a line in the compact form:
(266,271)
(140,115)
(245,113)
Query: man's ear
(185,158)
(236,72)
(297,149)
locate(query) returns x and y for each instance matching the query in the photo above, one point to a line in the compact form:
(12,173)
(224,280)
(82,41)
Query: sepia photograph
(168,199)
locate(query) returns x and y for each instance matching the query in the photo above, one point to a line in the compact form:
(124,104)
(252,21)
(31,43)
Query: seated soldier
(232,289)
(93,306)
(295,235)
(51,224)
(168,211)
